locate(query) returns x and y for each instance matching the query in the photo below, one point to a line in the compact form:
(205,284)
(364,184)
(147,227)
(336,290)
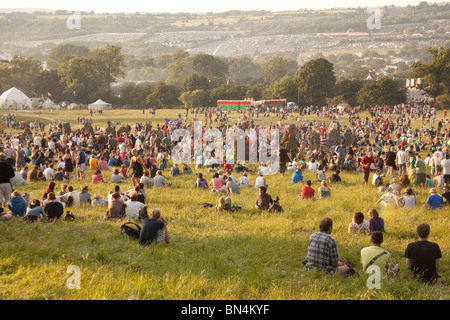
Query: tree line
(77,74)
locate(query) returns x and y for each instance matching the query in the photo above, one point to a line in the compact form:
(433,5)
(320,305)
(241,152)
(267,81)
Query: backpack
(69,216)
(131,229)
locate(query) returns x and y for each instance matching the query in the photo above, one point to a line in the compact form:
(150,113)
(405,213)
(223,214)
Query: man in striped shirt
(322,250)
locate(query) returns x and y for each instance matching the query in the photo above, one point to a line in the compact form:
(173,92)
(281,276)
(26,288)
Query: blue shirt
(296,177)
(81,157)
(435,201)
(341,151)
(18,206)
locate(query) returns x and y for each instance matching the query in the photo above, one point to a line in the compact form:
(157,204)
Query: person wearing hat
(434,201)
(6,174)
(99,201)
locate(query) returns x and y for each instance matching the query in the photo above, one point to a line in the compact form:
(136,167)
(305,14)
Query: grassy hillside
(241,255)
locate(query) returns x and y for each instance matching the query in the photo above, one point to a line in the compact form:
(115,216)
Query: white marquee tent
(49,104)
(100,105)
(15,98)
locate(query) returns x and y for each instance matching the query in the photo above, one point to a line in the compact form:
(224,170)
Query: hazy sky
(196,5)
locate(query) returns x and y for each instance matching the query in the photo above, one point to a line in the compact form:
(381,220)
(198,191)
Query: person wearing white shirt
(37,140)
(75,195)
(244,181)
(402,158)
(15,142)
(139,146)
(445,163)
(48,172)
(260,181)
(313,165)
(134,207)
(437,157)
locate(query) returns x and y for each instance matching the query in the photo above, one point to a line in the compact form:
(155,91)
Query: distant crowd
(385,146)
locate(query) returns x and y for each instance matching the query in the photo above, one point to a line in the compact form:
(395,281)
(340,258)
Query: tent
(100,105)
(49,104)
(73,106)
(15,99)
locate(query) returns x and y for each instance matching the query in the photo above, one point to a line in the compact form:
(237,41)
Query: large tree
(315,81)
(108,63)
(163,95)
(384,91)
(58,53)
(349,89)
(24,73)
(274,69)
(80,79)
(209,66)
(285,88)
(435,76)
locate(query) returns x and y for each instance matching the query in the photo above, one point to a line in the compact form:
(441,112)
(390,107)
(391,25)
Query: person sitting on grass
(377,256)
(136,209)
(408,200)
(54,209)
(423,257)
(17,206)
(390,197)
(434,201)
(154,230)
(244,181)
(264,200)
(116,207)
(376,223)
(324,191)
(34,211)
(85,196)
(323,252)
(117,176)
(359,224)
(97,177)
(145,179)
(307,191)
(217,184)
(224,204)
(201,182)
(297,176)
(99,201)
(232,186)
(335,177)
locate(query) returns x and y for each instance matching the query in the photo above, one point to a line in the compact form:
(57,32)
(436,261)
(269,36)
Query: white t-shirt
(402,157)
(48,173)
(445,166)
(437,156)
(133,208)
(259,182)
(244,181)
(313,166)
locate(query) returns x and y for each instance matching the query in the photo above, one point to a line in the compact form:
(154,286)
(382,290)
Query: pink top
(97,178)
(217,183)
(103,165)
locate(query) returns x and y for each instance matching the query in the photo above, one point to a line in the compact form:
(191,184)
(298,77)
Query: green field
(212,256)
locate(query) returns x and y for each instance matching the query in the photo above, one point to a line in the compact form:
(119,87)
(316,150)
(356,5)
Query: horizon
(201,6)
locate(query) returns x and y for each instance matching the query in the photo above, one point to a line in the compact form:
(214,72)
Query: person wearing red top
(403,143)
(365,164)
(307,192)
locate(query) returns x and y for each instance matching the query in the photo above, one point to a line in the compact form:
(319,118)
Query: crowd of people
(384,146)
